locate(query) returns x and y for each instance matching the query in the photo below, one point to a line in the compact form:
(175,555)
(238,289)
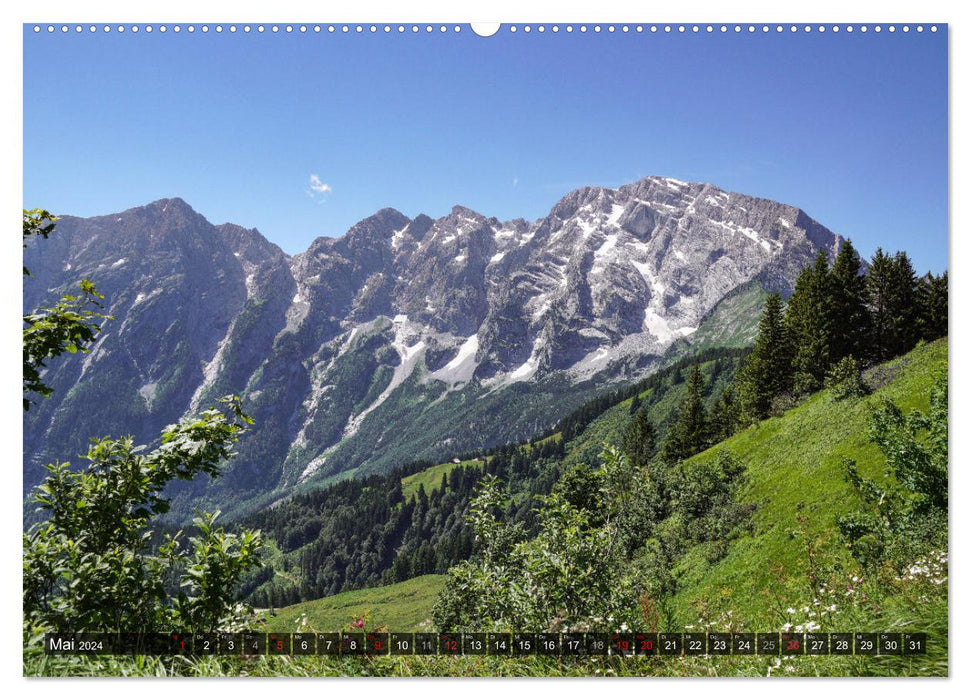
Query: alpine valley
(405,339)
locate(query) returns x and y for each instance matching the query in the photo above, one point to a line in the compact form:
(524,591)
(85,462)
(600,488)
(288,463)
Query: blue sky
(850,127)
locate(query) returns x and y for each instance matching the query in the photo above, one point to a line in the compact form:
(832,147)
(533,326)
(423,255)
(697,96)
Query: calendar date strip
(488,643)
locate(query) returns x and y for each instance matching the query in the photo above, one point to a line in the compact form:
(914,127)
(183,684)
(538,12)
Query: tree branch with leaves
(70,325)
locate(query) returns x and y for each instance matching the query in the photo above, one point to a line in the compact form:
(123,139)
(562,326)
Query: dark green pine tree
(849,318)
(767,371)
(688,434)
(878,285)
(677,377)
(907,318)
(892,299)
(932,300)
(640,438)
(400,569)
(809,325)
(725,417)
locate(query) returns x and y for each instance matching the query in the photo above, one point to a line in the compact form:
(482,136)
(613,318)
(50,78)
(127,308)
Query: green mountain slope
(731,324)
(431,478)
(794,469)
(662,403)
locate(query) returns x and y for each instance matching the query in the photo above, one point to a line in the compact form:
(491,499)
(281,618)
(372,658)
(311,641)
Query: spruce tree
(767,371)
(689,433)
(932,302)
(725,418)
(849,319)
(892,299)
(907,316)
(639,438)
(809,325)
(878,285)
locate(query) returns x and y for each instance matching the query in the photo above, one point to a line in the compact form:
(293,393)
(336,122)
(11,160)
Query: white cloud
(317,186)
(515,181)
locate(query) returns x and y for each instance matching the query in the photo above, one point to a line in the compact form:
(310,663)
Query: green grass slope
(431,478)
(731,324)
(794,469)
(404,606)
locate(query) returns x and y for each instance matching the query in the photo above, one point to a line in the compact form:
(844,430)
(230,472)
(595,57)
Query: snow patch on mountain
(312,466)
(147,392)
(616,211)
(526,370)
(660,328)
(398,236)
(409,355)
(212,368)
(461,367)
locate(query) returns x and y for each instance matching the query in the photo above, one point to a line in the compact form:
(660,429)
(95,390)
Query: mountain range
(404,339)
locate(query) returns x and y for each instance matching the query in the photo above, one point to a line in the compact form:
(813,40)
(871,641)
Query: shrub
(845,379)
(904,514)
(782,403)
(565,578)
(90,565)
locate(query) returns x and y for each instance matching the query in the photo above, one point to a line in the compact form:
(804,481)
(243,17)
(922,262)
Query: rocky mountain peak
(173,211)
(573,201)
(249,243)
(375,230)
(420,337)
(459,211)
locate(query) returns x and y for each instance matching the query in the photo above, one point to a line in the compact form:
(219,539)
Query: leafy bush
(90,566)
(703,494)
(566,578)
(916,446)
(845,379)
(602,557)
(478,593)
(907,513)
(783,402)
(70,325)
